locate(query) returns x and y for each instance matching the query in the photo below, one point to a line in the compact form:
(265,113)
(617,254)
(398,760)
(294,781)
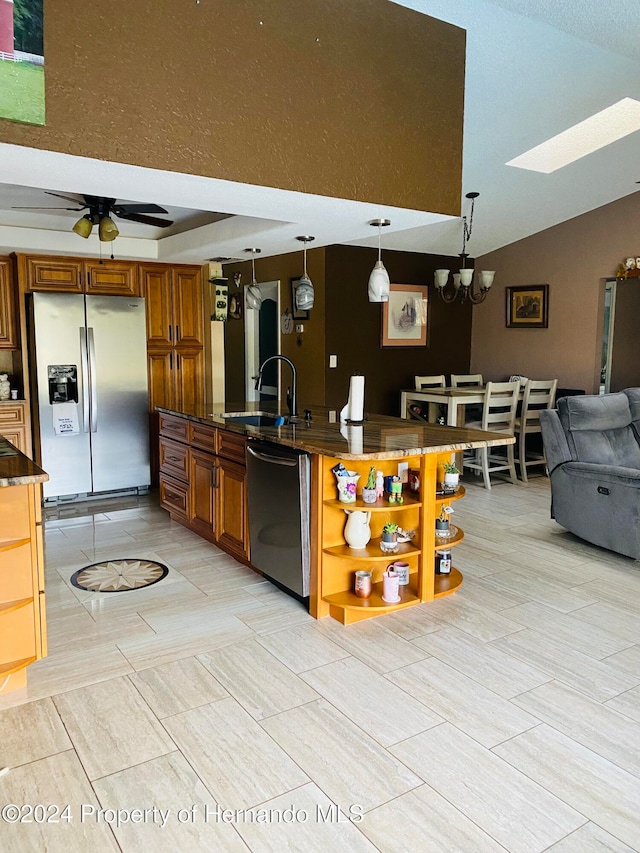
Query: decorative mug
(347,487)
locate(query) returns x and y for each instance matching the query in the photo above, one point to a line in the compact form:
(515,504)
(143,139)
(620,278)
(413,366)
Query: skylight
(595,132)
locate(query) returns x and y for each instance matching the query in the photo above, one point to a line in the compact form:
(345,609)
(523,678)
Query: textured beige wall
(573,258)
(359,99)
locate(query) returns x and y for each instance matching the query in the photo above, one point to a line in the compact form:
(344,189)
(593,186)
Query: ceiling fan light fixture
(107,230)
(83,227)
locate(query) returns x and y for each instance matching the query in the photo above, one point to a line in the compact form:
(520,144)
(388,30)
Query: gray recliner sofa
(592,447)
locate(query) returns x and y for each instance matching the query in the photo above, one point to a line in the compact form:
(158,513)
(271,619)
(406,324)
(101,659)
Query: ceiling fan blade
(47,208)
(138,208)
(145,220)
(65,197)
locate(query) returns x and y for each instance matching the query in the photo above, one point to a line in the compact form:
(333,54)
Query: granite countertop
(16,469)
(379,437)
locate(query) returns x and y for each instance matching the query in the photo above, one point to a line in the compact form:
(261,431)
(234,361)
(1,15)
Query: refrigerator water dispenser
(63,383)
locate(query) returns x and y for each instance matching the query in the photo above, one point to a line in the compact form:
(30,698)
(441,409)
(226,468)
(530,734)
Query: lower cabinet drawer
(232,446)
(174,459)
(174,496)
(202,436)
(176,428)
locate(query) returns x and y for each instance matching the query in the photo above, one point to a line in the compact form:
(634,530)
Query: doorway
(262,340)
(620,365)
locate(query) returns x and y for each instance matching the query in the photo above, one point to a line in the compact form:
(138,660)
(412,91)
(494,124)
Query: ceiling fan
(100,210)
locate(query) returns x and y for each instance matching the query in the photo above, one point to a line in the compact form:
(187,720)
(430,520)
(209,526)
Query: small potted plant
(442,522)
(451,475)
(369,494)
(389,539)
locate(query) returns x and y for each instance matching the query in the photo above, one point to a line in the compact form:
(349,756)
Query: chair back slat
(460,379)
(438,381)
(538,394)
(500,405)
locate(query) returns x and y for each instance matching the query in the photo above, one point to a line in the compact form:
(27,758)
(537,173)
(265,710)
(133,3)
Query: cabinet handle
(177,333)
(215,479)
(170,361)
(178,360)
(171,427)
(173,459)
(170,333)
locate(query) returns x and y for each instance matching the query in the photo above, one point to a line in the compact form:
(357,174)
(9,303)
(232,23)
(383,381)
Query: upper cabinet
(8,326)
(76,275)
(174,306)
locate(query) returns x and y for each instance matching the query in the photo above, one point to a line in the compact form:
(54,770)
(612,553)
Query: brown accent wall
(344,98)
(353,328)
(573,258)
(344,323)
(309,356)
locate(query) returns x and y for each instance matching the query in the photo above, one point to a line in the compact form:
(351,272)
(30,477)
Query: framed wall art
(528,307)
(404,316)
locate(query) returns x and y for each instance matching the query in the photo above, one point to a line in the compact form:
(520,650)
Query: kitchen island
(203,485)
(23,635)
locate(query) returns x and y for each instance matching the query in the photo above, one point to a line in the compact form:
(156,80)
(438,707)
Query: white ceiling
(533,70)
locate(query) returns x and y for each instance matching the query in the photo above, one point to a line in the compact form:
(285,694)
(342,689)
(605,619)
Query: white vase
(357,532)
(451,480)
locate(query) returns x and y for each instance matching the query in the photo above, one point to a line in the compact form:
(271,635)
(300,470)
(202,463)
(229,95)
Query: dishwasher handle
(275,460)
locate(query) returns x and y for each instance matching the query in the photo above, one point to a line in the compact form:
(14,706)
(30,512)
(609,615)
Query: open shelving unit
(336,562)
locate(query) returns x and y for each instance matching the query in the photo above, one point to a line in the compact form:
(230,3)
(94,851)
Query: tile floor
(503,718)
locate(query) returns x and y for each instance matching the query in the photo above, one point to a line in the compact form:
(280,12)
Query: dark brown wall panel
(353,328)
(360,99)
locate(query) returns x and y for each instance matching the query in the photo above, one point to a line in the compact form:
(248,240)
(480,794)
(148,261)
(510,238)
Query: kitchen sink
(255,418)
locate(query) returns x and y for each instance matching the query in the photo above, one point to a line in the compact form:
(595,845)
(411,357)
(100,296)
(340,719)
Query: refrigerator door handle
(93,407)
(84,361)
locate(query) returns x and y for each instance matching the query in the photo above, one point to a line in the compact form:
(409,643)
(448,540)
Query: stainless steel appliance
(278,485)
(91,372)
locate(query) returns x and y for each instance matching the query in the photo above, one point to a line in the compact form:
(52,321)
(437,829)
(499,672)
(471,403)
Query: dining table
(454,399)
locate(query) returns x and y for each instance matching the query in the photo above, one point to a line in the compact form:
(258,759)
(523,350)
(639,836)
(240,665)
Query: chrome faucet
(292,395)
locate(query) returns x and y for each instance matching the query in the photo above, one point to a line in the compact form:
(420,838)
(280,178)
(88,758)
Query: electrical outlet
(299,328)
(333,416)
(333,361)
(403,471)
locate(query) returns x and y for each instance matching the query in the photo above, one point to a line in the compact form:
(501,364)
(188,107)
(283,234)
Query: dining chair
(539,394)
(458,380)
(461,380)
(421,410)
(430,381)
(498,415)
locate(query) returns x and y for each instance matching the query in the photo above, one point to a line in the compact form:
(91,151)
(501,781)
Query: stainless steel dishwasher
(278,491)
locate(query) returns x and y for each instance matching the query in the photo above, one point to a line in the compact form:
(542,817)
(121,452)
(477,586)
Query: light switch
(300,328)
(333,361)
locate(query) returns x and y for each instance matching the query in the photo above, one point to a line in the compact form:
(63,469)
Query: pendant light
(305,294)
(254,297)
(379,283)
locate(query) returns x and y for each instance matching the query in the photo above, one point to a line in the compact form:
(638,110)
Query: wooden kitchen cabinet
(174,306)
(77,275)
(232,533)
(203,481)
(13,425)
(8,324)
(23,635)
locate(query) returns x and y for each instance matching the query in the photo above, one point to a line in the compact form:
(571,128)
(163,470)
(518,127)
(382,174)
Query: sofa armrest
(613,474)
(556,448)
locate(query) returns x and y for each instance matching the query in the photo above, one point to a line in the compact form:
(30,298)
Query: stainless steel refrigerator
(91,373)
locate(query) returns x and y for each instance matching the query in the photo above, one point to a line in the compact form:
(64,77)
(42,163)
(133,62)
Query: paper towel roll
(354,409)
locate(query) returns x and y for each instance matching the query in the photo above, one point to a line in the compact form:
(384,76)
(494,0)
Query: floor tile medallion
(119,575)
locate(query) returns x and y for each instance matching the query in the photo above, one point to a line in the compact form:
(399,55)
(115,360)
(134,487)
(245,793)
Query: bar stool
(538,395)
(498,415)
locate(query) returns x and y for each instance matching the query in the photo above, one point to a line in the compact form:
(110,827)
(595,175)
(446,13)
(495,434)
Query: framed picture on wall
(528,307)
(297,313)
(404,316)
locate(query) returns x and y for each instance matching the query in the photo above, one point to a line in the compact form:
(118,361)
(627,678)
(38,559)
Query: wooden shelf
(446,584)
(454,496)
(372,552)
(10,544)
(10,606)
(442,542)
(348,600)
(15,665)
(381,505)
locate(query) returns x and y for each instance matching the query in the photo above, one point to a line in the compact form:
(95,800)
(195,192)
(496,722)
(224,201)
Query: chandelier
(461,283)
